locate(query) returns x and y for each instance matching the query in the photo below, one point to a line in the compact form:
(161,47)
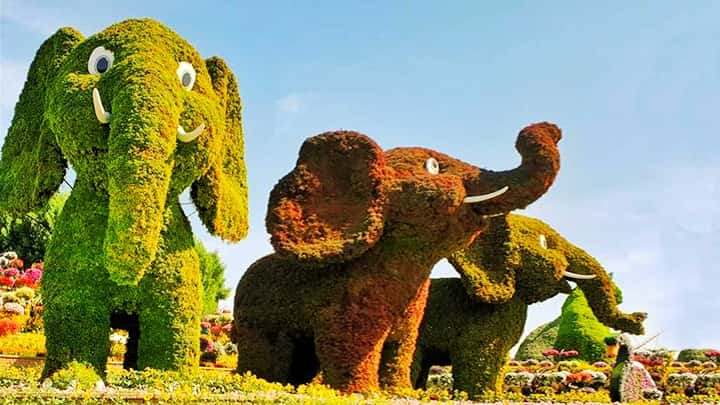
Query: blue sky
(634,85)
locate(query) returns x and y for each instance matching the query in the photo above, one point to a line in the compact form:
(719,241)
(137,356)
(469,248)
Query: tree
(212,275)
(29,234)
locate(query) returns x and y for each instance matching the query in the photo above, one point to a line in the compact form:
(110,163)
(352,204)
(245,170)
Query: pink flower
(227,328)
(11,272)
(551,352)
(569,353)
(205,325)
(713,353)
(33,274)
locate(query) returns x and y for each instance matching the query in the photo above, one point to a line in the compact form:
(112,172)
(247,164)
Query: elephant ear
(331,207)
(488,266)
(221,194)
(32,166)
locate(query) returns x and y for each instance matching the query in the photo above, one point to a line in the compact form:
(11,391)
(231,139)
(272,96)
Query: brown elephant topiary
(356,232)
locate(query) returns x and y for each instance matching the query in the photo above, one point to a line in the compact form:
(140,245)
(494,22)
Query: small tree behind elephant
(472,322)
(116,106)
(356,231)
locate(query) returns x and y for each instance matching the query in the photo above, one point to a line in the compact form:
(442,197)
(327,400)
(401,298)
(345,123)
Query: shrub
(610,340)
(694,354)
(579,328)
(519,379)
(76,375)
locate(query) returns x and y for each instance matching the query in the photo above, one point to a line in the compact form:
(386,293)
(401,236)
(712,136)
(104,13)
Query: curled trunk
(600,294)
(537,144)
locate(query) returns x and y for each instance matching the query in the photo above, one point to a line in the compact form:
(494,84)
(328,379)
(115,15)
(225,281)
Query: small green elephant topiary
(472,322)
(116,107)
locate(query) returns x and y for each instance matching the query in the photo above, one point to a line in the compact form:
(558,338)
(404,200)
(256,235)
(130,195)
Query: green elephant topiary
(115,106)
(472,322)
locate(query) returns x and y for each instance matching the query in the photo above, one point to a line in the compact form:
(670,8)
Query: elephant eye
(432,166)
(186,74)
(100,60)
(543,241)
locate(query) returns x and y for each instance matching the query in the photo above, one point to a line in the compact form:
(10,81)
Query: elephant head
(523,257)
(345,194)
(140,116)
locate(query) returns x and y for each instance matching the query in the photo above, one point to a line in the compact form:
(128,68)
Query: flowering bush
(519,379)
(76,376)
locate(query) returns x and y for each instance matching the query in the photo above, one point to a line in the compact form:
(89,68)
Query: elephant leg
(76,290)
(400,344)
(349,343)
(266,354)
(477,368)
(74,331)
(420,370)
(480,352)
(169,310)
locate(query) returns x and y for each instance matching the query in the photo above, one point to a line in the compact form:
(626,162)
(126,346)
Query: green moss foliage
(580,330)
(29,234)
(357,231)
(122,250)
(540,339)
(212,275)
(694,354)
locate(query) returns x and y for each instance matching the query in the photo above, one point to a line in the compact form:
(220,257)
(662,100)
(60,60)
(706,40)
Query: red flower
(569,353)
(216,330)
(25,282)
(551,352)
(6,281)
(713,353)
(8,327)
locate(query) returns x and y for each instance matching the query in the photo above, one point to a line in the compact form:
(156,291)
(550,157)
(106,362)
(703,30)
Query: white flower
(118,339)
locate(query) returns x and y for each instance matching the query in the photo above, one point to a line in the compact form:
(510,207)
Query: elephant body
(356,232)
(473,337)
(472,322)
(115,106)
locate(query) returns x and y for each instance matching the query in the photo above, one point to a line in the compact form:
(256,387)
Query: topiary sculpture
(472,322)
(575,328)
(356,232)
(115,106)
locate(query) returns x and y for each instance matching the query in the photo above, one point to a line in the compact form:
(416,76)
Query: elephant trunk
(141,141)
(537,144)
(600,294)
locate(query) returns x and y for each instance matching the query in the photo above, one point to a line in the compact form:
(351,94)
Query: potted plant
(612,346)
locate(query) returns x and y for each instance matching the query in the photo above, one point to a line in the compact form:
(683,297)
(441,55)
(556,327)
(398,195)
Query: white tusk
(579,276)
(102,115)
(478,198)
(189,136)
